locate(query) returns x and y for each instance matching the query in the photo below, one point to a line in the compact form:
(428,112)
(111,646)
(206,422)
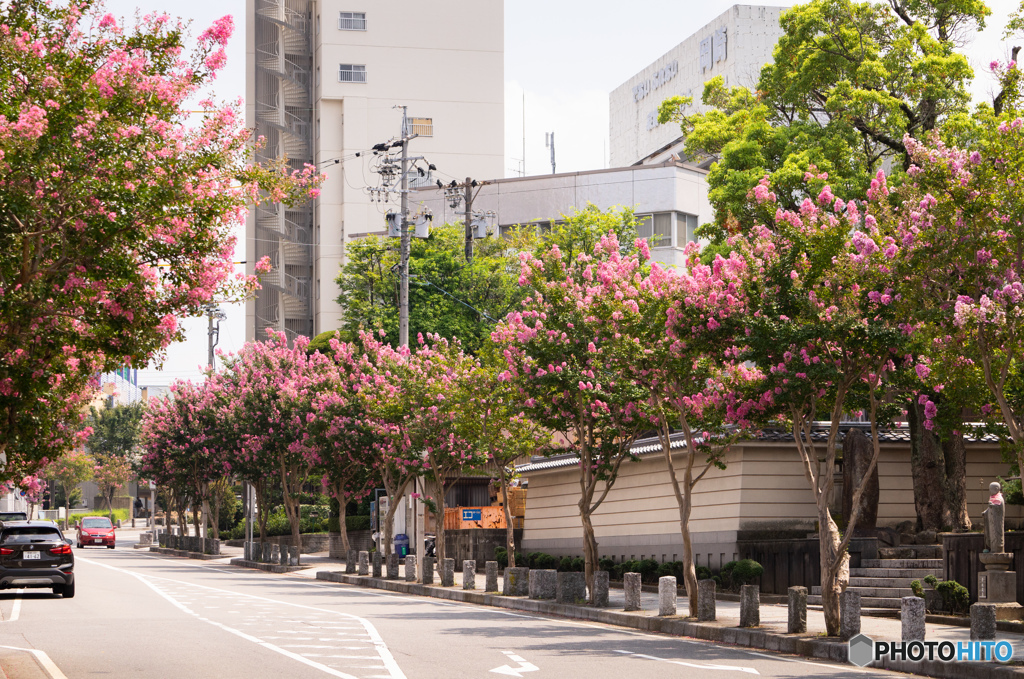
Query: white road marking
(515,671)
(385,655)
(44,660)
(702,666)
(16,608)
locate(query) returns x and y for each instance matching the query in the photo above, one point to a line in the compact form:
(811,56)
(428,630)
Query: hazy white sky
(565,56)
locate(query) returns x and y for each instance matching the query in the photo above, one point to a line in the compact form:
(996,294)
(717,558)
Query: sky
(562,59)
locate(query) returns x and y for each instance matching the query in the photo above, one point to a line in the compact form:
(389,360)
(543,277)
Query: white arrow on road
(515,671)
(749,670)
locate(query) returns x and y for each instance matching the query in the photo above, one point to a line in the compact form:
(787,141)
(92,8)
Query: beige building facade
(736,45)
(324,80)
(761,492)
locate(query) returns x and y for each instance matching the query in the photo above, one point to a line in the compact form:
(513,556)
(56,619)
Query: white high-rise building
(324,78)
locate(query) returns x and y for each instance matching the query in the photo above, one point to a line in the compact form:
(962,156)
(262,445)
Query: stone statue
(993,520)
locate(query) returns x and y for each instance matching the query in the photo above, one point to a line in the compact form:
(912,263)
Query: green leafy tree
(110,474)
(115,431)
(69,471)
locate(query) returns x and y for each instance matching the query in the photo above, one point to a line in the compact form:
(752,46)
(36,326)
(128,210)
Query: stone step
(901,563)
(875,592)
(911,552)
(865,602)
(911,573)
(902,582)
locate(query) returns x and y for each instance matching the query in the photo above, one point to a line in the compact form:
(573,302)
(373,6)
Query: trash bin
(402,545)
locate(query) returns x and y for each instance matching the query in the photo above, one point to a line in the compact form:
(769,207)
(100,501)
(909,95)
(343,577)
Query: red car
(95,531)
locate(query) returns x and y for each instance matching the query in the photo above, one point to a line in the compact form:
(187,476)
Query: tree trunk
(67,507)
(927,469)
(195,517)
(217,492)
(342,528)
(439,532)
(389,517)
(206,518)
(292,506)
(589,546)
(835,567)
(109,497)
(262,508)
(510,535)
(955,455)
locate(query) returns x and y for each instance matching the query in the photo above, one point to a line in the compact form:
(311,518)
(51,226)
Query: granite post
(275,554)
(469,574)
(284,555)
(376,564)
(293,556)
(631,587)
(491,577)
(912,616)
(543,583)
(600,593)
(516,582)
(570,587)
(392,566)
(267,552)
(448,572)
(667,592)
(849,614)
(364,563)
(750,606)
(410,568)
(797,610)
(983,622)
(706,601)
(428,570)
(350,562)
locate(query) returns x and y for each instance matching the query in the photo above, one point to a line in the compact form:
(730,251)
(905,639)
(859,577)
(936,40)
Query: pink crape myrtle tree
(569,381)
(110,474)
(117,205)
(826,326)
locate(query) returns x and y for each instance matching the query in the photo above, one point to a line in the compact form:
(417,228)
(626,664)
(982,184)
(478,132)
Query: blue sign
(471,514)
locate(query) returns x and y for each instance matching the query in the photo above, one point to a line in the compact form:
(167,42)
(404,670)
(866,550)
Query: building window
(352,21)
(656,229)
(352,73)
(686,226)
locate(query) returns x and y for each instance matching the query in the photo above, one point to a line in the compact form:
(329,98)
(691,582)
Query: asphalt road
(141,615)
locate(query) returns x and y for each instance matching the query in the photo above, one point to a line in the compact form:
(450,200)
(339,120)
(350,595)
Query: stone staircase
(884,581)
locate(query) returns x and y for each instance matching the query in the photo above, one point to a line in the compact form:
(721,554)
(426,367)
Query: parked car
(95,531)
(35,554)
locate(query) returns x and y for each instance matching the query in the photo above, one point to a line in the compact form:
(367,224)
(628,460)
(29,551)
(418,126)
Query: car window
(95,522)
(12,516)
(26,534)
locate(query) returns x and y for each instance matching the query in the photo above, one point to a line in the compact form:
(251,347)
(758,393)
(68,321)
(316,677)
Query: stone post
(543,583)
(849,614)
(600,593)
(275,554)
(570,587)
(750,606)
(350,562)
(667,595)
(469,574)
(247,551)
(364,563)
(428,570)
(268,551)
(410,568)
(293,556)
(284,554)
(376,564)
(516,581)
(215,547)
(491,577)
(706,601)
(797,610)
(912,616)
(392,566)
(448,573)
(631,587)
(983,622)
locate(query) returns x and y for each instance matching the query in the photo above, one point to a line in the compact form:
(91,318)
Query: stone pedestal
(983,622)
(275,554)
(350,562)
(849,614)
(750,606)
(410,568)
(667,595)
(600,598)
(571,588)
(293,556)
(267,552)
(912,616)
(491,577)
(543,583)
(998,586)
(448,573)
(469,574)
(631,585)
(392,566)
(428,570)
(516,581)
(706,601)
(364,563)
(797,610)
(376,564)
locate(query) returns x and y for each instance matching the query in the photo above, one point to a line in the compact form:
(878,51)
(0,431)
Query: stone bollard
(517,581)
(631,585)
(600,593)
(983,622)
(247,551)
(376,564)
(275,554)
(428,570)
(266,552)
(392,566)
(469,574)
(284,555)
(293,556)
(667,592)
(410,568)
(750,606)
(570,588)
(543,583)
(491,577)
(797,610)
(215,548)
(448,572)
(364,563)
(849,614)
(350,562)
(706,601)
(912,616)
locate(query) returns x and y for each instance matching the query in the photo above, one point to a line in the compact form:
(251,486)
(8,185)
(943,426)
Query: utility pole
(403,267)
(213,332)
(549,141)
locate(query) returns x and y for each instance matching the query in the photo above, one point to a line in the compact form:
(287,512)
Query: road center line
(16,608)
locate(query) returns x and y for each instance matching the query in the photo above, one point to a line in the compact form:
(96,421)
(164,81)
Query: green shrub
(631,566)
(565,564)
(746,572)
(648,569)
(917,589)
(578,564)
(546,561)
(501,556)
(606,564)
(121,514)
(357,522)
(703,573)
(955,597)
(531,559)
(931,580)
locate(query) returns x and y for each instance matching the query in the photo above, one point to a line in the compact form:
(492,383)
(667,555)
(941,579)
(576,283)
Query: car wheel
(68,591)
(110,546)
(58,589)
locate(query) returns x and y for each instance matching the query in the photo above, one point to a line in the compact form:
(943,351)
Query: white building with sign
(735,45)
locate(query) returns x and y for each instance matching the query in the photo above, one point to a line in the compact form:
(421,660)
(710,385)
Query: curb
(759,638)
(181,552)
(269,567)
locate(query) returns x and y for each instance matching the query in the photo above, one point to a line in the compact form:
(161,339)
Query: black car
(13,516)
(35,554)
